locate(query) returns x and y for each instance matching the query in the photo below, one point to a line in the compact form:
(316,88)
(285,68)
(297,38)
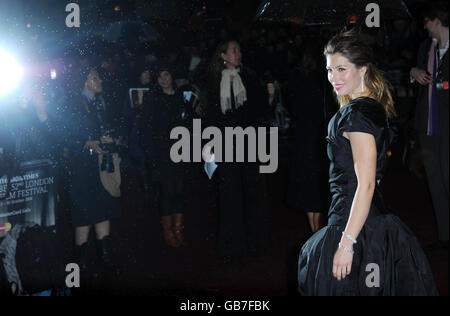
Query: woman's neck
(169,91)
(356,95)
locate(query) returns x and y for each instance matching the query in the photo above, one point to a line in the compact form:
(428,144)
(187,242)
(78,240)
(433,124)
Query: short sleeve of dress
(363,118)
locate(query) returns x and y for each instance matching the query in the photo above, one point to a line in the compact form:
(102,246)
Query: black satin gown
(384,239)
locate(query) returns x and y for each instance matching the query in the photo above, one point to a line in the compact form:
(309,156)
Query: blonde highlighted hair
(349,45)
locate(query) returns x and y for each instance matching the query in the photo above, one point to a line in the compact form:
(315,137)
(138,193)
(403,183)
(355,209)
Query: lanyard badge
(440,83)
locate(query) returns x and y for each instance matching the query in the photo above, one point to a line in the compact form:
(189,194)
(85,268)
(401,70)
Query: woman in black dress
(91,203)
(163,110)
(364,250)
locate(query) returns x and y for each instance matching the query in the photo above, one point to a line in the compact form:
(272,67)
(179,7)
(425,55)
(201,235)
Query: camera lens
(108,160)
(107,163)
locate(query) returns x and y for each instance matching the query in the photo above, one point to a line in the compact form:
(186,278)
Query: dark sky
(21,20)
(49,15)
(44,20)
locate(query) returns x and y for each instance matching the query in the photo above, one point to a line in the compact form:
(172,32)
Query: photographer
(36,124)
(6,156)
(27,129)
(95,170)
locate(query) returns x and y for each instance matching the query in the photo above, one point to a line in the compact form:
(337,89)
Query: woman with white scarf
(234,97)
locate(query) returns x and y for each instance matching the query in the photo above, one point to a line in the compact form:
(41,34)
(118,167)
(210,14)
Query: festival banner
(29,195)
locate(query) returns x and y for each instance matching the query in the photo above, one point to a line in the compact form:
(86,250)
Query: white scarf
(240,94)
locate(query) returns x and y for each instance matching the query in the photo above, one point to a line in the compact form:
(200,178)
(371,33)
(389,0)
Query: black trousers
(243,217)
(435,156)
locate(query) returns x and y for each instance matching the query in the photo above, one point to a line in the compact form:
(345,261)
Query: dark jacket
(421,121)
(86,123)
(90,202)
(160,115)
(251,113)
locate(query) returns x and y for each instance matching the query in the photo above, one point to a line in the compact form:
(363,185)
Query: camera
(108,160)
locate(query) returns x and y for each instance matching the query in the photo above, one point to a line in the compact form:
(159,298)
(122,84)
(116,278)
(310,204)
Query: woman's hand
(342,261)
(207,153)
(94,145)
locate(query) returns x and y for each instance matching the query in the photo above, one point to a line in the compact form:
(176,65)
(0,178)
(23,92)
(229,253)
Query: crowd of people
(94,127)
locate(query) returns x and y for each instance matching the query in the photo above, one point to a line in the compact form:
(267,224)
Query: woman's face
(233,55)
(165,80)
(94,83)
(145,78)
(344,76)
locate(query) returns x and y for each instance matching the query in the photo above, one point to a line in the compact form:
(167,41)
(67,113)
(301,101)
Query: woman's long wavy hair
(217,65)
(213,77)
(349,45)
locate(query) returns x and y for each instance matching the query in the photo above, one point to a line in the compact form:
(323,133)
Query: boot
(168,231)
(86,274)
(178,228)
(104,254)
(82,257)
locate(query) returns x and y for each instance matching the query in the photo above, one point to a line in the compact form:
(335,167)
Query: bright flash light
(10,73)
(53,74)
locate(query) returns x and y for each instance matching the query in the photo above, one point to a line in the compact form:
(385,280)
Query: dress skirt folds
(388,259)
(90,202)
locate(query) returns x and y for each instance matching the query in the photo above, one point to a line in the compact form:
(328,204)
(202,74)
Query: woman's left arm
(364,152)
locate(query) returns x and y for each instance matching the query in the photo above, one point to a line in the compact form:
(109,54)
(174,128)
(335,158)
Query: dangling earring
(225,62)
(362,84)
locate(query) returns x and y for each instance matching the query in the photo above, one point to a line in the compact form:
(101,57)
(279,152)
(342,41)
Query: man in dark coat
(432,72)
